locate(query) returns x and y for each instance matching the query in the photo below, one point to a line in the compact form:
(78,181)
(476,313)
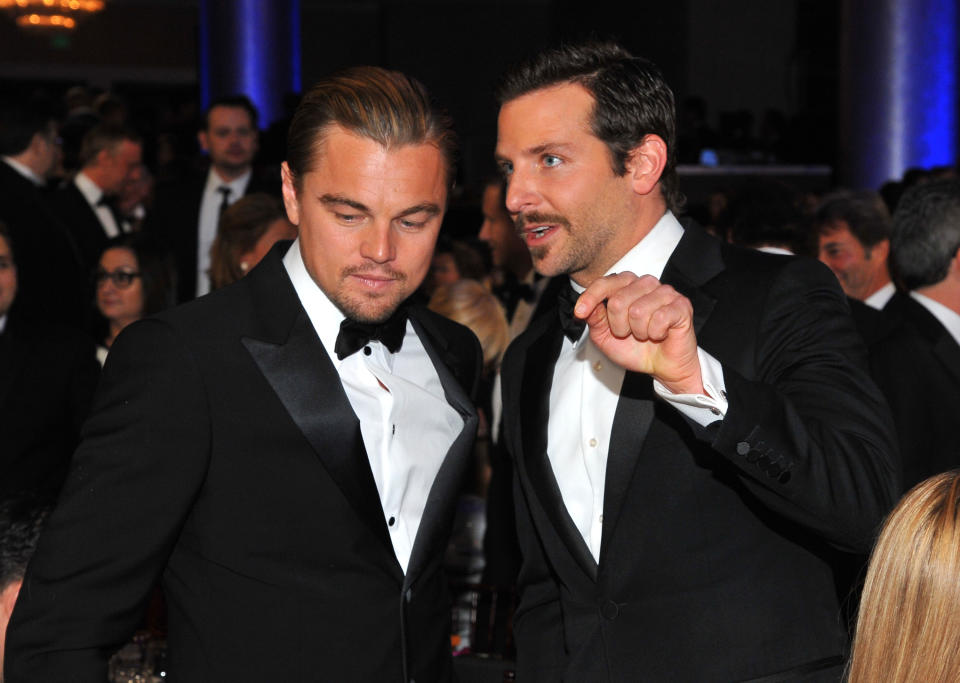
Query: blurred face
(280,229)
(368,219)
(230,139)
(497,229)
(121,304)
(8,277)
(575,215)
(445,271)
(118,166)
(861,270)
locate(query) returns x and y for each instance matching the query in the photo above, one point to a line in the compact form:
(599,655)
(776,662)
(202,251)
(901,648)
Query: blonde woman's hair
(909,620)
(470,303)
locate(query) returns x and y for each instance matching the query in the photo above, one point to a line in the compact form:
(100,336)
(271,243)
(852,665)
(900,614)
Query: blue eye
(551,160)
(506,168)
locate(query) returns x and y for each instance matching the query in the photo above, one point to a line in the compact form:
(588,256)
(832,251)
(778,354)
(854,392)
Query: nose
(521,192)
(377,244)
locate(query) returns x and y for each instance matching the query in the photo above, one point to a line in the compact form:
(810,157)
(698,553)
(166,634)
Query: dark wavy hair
(155,263)
(631,100)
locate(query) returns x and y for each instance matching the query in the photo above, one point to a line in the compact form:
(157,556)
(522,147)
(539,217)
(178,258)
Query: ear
(881,249)
(203,140)
(290,201)
(646,163)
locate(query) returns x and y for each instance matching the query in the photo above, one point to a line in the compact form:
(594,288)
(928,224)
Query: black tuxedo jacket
(174,217)
(74,211)
(47,378)
(713,562)
(918,368)
(223,457)
(52,277)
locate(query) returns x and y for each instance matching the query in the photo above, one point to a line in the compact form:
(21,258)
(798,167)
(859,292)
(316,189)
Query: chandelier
(51,14)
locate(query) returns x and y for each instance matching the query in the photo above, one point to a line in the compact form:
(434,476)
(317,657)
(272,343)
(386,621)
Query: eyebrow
(538,149)
(426,207)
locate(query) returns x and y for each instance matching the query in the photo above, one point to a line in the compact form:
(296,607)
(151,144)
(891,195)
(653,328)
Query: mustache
(373,269)
(536,218)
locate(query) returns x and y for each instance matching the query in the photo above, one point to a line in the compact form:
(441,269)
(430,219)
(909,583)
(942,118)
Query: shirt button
(598,366)
(593,443)
(391,521)
(367,351)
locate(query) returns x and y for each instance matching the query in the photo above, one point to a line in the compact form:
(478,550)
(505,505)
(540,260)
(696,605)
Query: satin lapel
(441,502)
(309,387)
(695,261)
(631,422)
(539,362)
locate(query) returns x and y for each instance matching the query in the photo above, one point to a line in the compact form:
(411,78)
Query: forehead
(837,231)
(557,113)
(119,256)
(225,115)
(347,162)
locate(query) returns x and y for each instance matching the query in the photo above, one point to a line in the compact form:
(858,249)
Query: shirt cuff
(700,408)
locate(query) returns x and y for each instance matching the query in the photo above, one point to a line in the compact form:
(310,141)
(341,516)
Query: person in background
(47,379)
(853,229)
(110,156)
(21,518)
(908,628)
(186,210)
(455,260)
(134,279)
(246,232)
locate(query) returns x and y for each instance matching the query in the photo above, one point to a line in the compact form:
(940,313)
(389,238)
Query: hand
(644,327)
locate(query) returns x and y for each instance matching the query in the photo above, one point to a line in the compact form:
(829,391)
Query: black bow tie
(354,335)
(572,326)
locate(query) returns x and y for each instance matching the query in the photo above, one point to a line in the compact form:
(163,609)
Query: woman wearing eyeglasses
(134,279)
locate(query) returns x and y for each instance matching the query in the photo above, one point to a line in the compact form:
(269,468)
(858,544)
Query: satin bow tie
(354,335)
(571,325)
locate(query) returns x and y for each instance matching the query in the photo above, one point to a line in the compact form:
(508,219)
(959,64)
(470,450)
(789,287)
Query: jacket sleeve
(140,464)
(810,432)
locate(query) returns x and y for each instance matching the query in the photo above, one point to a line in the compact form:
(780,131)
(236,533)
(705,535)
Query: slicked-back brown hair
(387,107)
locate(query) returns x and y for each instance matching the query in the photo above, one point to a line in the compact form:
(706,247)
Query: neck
(228,175)
(94,174)
(944,292)
(30,161)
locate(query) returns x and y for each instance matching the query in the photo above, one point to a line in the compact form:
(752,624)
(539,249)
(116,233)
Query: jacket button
(784,478)
(610,610)
(743,448)
(408,596)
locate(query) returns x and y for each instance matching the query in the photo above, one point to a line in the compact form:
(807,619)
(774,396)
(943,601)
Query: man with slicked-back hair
(286,453)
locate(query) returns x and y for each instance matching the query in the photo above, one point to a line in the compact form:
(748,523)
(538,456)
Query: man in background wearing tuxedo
(694,430)
(186,211)
(293,486)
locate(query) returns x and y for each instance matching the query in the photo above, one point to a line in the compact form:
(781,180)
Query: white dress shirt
(93,194)
(586,390)
(407,428)
(949,318)
(209,217)
(880,297)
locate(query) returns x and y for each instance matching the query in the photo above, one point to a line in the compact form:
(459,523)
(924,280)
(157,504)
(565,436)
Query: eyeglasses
(121,278)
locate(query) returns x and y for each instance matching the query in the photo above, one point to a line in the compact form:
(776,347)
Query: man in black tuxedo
(292,486)
(48,373)
(52,278)
(919,366)
(186,211)
(688,457)
(109,156)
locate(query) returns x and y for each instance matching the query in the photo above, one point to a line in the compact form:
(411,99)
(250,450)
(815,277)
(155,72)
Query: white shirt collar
(89,189)
(323,313)
(25,171)
(949,318)
(649,256)
(880,297)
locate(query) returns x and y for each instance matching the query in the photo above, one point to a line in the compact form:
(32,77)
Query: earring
(244,266)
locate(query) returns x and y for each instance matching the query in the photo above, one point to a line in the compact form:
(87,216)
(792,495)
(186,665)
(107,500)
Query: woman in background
(247,230)
(134,279)
(909,621)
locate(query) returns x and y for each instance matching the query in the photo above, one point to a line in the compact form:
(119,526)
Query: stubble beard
(369,307)
(578,251)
